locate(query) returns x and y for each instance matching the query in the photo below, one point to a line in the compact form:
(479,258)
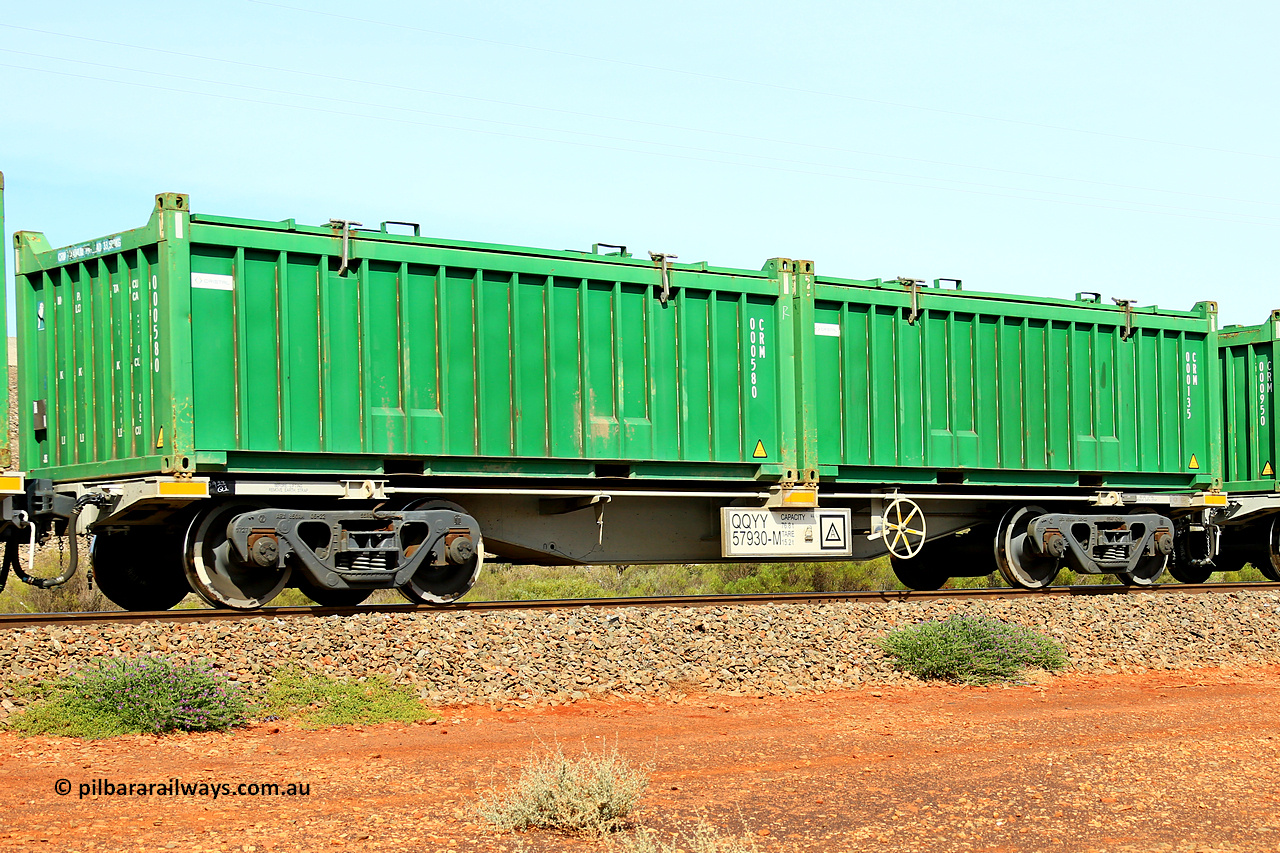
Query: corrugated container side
(989,389)
(231,345)
(1247,358)
(479,360)
(97,354)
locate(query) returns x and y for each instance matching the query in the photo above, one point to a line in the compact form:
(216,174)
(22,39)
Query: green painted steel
(5,458)
(213,344)
(1252,447)
(207,343)
(992,389)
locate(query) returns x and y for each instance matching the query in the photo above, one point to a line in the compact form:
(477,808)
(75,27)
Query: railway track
(25,620)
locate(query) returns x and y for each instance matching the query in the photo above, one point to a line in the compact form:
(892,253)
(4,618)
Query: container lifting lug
(1127,305)
(661,258)
(346,225)
(914,285)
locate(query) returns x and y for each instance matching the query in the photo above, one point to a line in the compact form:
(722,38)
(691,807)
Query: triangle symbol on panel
(833,533)
(1267,471)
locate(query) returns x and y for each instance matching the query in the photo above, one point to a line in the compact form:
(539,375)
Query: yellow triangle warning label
(759,452)
(160,439)
(1266,470)
(1193,463)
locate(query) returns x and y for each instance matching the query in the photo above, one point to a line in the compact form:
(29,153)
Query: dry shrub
(590,795)
(704,838)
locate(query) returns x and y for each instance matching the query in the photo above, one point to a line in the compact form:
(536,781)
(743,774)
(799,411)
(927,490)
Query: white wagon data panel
(785,532)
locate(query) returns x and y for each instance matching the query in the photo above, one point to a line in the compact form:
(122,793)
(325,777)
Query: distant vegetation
(506,582)
(503,582)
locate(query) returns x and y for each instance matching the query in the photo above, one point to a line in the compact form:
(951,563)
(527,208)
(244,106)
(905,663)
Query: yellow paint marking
(12,484)
(1193,464)
(759,452)
(160,439)
(1266,470)
(184,489)
(1215,500)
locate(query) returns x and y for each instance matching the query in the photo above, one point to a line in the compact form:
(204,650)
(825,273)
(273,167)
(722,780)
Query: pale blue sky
(1043,148)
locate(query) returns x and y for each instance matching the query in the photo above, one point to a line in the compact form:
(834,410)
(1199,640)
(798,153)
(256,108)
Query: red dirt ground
(1172,761)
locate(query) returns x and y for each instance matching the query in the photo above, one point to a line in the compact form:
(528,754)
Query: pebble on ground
(529,658)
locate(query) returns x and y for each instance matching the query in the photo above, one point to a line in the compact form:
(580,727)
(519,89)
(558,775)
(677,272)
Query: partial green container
(209,344)
(1252,444)
(933,384)
(5,456)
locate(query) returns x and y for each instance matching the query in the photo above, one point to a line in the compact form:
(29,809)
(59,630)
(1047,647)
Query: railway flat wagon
(238,406)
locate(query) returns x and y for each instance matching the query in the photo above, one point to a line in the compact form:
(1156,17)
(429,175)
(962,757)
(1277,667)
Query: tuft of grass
(144,695)
(590,795)
(316,701)
(971,650)
(704,838)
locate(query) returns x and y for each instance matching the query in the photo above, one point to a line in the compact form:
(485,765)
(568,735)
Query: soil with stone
(1172,761)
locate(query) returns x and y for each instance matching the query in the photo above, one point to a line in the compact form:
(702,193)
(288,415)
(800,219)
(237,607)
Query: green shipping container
(1247,357)
(916,384)
(216,345)
(209,344)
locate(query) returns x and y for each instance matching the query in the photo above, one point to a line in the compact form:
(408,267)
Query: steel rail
(27,620)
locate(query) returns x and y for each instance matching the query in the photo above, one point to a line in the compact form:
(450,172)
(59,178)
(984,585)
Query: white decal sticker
(787,533)
(826,330)
(213,281)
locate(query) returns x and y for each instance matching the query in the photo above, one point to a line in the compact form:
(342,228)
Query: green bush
(150,694)
(591,795)
(971,650)
(317,701)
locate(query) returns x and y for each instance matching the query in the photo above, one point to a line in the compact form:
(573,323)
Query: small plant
(591,795)
(318,700)
(704,838)
(971,650)
(150,694)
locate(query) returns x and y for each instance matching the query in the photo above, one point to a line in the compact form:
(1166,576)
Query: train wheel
(140,569)
(1146,573)
(1016,557)
(214,572)
(1269,562)
(444,584)
(921,572)
(333,597)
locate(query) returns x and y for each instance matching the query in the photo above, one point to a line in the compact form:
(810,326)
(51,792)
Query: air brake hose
(11,558)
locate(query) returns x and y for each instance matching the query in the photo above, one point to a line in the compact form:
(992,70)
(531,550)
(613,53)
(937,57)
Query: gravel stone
(527,658)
